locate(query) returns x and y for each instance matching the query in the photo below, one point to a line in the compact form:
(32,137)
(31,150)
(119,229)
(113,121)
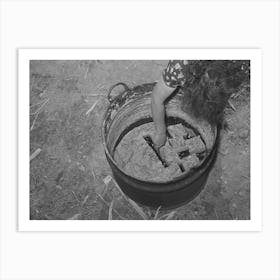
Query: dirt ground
(69,173)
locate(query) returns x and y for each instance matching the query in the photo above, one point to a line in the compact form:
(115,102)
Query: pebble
(224,151)
(242,193)
(81,167)
(244,133)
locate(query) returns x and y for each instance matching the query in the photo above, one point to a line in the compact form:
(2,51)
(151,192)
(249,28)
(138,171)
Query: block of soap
(190,162)
(193,145)
(168,153)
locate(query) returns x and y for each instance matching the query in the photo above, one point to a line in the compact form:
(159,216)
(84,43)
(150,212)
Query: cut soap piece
(190,162)
(193,145)
(177,133)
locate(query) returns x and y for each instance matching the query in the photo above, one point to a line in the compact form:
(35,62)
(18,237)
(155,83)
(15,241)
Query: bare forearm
(158,110)
(159,95)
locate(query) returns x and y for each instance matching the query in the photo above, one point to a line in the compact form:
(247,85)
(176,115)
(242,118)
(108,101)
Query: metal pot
(132,108)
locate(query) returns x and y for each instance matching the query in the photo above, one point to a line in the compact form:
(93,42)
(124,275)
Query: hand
(159,139)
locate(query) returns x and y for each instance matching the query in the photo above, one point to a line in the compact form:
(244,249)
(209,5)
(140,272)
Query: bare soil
(69,174)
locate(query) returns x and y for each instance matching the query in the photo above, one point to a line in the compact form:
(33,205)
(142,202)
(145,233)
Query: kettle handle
(110,98)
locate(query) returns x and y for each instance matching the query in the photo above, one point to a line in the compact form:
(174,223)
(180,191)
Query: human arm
(160,93)
(173,75)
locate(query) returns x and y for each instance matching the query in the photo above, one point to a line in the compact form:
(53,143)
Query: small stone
(224,151)
(244,133)
(107,180)
(81,167)
(242,193)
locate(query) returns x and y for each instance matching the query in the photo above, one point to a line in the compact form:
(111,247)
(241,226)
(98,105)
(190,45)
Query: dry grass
(35,154)
(92,107)
(110,215)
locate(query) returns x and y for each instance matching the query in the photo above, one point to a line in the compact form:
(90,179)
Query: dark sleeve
(174,74)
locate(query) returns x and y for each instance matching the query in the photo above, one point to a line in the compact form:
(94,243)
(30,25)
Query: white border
(25,55)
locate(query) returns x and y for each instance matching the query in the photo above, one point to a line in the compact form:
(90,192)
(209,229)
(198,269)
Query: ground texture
(69,174)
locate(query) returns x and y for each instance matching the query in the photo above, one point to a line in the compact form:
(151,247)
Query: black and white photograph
(139,139)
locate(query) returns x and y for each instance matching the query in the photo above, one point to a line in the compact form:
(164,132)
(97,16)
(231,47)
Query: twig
(87,71)
(168,216)
(221,153)
(35,154)
(32,126)
(92,107)
(137,208)
(76,196)
(97,94)
(110,216)
(43,104)
(32,83)
(69,78)
(75,217)
(216,214)
(93,174)
(233,96)
(231,106)
(36,104)
(37,114)
(105,202)
(157,212)
(99,86)
(149,212)
(85,200)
